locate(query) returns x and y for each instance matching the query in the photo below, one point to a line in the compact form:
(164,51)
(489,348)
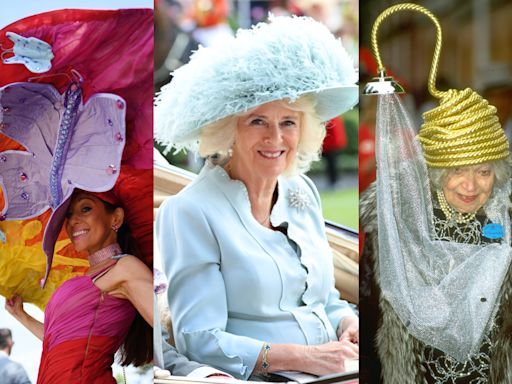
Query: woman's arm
(14,306)
(131,279)
(196,291)
(315,359)
(349,329)
(343,319)
(340,314)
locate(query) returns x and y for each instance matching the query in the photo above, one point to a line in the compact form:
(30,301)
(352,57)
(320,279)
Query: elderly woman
(251,288)
(460,201)
(454,262)
(436,286)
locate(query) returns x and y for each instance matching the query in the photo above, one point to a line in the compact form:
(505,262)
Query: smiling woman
(217,138)
(265,142)
(95,223)
(468,188)
(92,223)
(251,285)
(437,257)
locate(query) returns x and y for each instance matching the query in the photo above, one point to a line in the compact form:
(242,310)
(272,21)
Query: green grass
(341,207)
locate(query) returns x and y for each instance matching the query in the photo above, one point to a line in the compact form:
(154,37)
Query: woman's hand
(14,306)
(329,358)
(319,360)
(349,329)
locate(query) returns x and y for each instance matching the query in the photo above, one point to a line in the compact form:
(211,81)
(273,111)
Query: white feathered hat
(283,59)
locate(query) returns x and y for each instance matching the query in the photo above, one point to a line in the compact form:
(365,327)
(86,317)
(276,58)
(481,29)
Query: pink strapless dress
(83,329)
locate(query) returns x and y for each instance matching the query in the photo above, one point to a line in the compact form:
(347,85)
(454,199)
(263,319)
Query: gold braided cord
(463,129)
(477,158)
(437,50)
(445,147)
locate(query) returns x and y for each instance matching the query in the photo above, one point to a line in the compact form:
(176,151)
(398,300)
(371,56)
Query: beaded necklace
(450,213)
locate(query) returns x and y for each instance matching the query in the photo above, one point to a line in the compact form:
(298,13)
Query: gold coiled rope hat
(464,129)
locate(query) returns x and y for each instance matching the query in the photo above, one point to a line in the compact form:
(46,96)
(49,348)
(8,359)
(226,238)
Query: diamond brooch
(298,199)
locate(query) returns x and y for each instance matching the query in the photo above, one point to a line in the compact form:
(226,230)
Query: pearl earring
(115,228)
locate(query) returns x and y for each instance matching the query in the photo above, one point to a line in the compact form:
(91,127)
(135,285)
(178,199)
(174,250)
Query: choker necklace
(450,213)
(104,254)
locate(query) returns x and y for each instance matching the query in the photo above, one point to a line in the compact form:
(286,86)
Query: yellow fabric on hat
(22,266)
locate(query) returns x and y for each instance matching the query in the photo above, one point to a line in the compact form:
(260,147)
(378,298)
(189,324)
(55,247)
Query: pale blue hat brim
(329,103)
(332,102)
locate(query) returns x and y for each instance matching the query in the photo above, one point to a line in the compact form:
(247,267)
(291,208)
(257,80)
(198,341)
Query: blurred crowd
(182,25)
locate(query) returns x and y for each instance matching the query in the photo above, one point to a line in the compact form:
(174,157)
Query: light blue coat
(234,284)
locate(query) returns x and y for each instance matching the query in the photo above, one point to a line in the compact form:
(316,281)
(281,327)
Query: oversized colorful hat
(84,124)
(286,58)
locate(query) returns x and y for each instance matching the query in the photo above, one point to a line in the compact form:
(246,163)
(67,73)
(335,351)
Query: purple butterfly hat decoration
(68,145)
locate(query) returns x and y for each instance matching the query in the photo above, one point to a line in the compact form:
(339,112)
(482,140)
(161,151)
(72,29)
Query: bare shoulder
(130,265)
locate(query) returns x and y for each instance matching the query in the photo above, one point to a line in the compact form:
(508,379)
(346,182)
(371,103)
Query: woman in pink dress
(90,317)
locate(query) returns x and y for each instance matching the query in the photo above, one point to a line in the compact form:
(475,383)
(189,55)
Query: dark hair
(137,348)
(5,337)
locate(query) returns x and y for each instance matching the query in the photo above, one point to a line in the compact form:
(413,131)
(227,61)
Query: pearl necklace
(450,213)
(103,254)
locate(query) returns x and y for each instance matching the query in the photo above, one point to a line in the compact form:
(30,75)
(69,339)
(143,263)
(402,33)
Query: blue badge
(3,238)
(493,231)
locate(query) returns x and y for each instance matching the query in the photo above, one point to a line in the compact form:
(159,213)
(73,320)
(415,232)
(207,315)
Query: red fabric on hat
(134,193)
(109,196)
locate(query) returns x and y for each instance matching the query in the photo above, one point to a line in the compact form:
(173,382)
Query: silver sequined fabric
(441,368)
(444,292)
